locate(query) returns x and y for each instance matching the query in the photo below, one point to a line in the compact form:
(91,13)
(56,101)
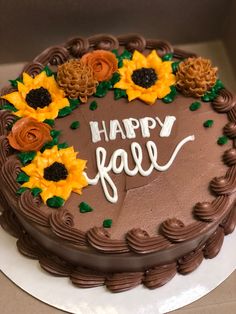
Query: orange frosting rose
(103,63)
(28,134)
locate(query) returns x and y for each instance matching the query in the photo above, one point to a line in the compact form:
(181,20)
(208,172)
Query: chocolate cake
(152,190)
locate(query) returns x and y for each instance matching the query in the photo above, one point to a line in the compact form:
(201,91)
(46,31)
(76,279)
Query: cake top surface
(145,120)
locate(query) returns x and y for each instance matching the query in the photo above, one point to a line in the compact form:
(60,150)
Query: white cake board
(60,293)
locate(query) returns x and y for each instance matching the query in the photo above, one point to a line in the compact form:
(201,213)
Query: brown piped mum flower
(28,134)
(103,63)
(77,79)
(195,76)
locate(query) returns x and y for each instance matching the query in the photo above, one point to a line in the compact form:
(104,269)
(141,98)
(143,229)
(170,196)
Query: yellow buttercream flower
(39,98)
(57,172)
(146,78)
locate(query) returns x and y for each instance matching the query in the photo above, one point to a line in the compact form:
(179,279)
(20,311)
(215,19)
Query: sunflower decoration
(56,173)
(146,78)
(39,98)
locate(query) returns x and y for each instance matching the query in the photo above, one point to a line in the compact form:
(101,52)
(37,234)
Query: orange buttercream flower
(103,63)
(28,134)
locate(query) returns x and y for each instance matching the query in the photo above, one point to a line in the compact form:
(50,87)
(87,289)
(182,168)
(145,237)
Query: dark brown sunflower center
(144,77)
(38,98)
(56,172)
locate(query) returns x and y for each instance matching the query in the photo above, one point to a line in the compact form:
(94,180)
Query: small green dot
(107,223)
(195,106)
(208,123)
(85,208)
(222,140)
(75,125)
(93,106)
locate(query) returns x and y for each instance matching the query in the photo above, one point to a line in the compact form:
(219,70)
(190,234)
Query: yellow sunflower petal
(122,84)
(163,91)
(132,94)
(23,89)
(46,194)
(139,59)
(149,98)
(40,79)
(153,59)
(15,99)
(27,79)
(64,191)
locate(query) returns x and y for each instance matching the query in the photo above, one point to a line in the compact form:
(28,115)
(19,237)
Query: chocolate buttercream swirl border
(151,278)
(62,225)
(138,241)
(30,208)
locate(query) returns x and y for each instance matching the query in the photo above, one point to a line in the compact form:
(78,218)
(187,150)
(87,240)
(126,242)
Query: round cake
(117,161)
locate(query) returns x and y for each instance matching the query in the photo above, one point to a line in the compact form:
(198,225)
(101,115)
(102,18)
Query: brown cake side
(157,228)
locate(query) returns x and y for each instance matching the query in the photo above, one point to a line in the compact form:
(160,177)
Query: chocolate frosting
(140,242)
(212,211)
(99,238)
(175,230)
(61,223)
(159,276)
(30,208)
(145,251)
(214,243)
(188,263)
(85,278)
(123,281)
(33,68)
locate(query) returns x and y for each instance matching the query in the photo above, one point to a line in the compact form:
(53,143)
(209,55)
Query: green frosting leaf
(107,223)
(101,91)
(126,55)
(14,83)
(26,157)
(167,57)
(175,66)
(48,71)
(50,122)
(21,190)
(115,51)
(208,123)
(85,208)
(222,140)
(75,125)
(22,177)
(62,145)
(115,78)
(74,103)
(50,144)
(36,191)
(55,133)
(9,107)
(168,99)
(93,106)
(119,93)
(64,112)
(213,93)
(55,202)
(195,106)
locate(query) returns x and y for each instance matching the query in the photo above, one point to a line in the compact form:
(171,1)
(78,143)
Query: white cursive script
(119,163)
